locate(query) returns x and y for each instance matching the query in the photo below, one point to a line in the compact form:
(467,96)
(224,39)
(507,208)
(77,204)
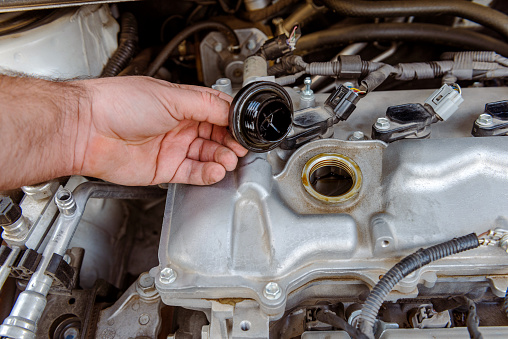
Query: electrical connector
(342,102)
(445,101)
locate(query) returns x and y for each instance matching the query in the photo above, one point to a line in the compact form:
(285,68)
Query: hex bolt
(251,45)
(167,275)
(272,291)
(307,91)
(145,280)
(9,211)
(382,124)
(217,47)
(144,319)
(357,135)
(485,120)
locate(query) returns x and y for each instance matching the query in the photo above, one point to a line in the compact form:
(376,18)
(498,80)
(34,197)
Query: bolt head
(167,275)
(251,45)
(9,211)
(382,124)
(484,120)
(357,135)
(217,47)
(272,291)
(307,81)
(145,280)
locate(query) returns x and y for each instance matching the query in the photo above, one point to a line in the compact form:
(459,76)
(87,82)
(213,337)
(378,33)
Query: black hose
(126,47)
(405,267)
(187,32)
(266,13)
(483,15)
(331,318)
(438,34)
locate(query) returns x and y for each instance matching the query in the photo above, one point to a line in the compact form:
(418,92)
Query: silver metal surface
(484,120)
(357,136)
(133,315)
(259,225)
(167,275)
(223,85)
(22,321)
(65,202)
(218,62)
(490,332)
(382,124)
(26,5)
(41,191)
(5,269)
(307,98)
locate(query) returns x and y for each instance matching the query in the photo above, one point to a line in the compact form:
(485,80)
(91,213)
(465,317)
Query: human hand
(143,131)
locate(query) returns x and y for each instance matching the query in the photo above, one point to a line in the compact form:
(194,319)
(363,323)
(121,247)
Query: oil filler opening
(332,177)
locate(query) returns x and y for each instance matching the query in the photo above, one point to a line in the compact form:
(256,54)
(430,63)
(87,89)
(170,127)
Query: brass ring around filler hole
(332,178)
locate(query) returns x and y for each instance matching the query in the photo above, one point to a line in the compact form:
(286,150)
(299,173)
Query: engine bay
(372,202)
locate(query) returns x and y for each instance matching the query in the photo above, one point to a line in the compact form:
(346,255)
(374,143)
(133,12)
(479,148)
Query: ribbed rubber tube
(416,32)
(405,267)
(187,32)
(126,47)
(480,56)
(483,15)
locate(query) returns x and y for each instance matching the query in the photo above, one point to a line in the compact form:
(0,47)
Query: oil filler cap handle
(261,116)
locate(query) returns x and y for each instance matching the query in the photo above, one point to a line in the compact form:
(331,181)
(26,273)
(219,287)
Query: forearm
(38,130)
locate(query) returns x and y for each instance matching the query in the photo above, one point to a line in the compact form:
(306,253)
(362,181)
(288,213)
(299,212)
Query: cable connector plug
(496,237)
(342,102)
(445,101)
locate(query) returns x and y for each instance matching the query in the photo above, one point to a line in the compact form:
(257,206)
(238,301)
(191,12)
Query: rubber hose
(438,34)
(480,56)
(265,13)
(331,318)
(187,32)
(126,47)
(405,267)
(483,15)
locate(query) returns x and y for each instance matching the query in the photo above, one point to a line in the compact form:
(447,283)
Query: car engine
(372,203)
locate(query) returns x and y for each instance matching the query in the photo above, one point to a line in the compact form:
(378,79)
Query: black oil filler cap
(261,116)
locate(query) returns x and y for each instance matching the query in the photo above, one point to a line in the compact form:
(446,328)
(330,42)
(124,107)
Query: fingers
(207,151)
(220,94)
(222,136)
(198,173)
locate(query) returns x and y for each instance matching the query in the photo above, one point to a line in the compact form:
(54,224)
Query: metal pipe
(22,321)
(5,270)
